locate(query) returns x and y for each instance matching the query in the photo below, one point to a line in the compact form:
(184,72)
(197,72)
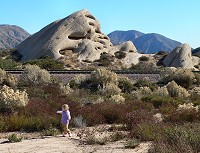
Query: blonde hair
(65,107)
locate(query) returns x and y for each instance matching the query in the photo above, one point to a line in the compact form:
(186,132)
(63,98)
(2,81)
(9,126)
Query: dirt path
(66,145)
(35,143)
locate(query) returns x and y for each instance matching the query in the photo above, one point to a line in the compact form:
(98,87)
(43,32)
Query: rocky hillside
(145,43)
(11,36)
(118,37)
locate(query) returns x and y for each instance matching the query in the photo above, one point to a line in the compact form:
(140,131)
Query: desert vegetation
(164,112)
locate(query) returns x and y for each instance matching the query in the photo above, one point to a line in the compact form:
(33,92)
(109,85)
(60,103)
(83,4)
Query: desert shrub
(125,85)
(99,79)
(120,55)
(2,75)
(7,79)
(79,121)
(14,138)
(50,131)
(47,63)
(176,90)
(162,53)
(105,59)
(177,139)
(183,77)
(197,78)
(33,75)
(184,113)
(4,52)
(104,113)
(144,67)
(93,139)
(76,81)
(65,89)
(10,80)
(104,76)
(161,91)
(165,104)
(116,136)
(117,99)
(137,117)
(10,99)
(144,58)
(8,64)
(110,89)
(133,143)
(29,124)
(141,92)
(145,83)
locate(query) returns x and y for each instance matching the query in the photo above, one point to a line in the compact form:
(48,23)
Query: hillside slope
(145,43)
(11,36)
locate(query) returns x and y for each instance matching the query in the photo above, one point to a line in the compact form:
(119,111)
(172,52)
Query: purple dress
(65,117)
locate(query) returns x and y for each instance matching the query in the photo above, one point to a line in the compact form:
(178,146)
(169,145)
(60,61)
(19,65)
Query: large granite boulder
(79,33)
(181,56)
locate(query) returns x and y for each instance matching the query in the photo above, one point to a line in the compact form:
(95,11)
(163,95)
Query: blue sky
(175,19)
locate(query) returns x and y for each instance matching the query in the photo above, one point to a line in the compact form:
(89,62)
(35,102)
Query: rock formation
(181,56)
(79,32)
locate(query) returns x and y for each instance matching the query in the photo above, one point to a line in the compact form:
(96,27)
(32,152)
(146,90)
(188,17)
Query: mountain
(118,37)
(11,36)
(196,51)
(152,43)
(145,43)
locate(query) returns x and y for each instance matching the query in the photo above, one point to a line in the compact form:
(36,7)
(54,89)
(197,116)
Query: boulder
(79,32)
(181,56)
(124,47)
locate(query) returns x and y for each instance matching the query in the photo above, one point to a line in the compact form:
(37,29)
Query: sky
(175,19)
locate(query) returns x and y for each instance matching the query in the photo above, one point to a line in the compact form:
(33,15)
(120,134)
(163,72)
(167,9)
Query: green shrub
(92,140)
(162,53)
(126,85)
(109,90)
(145,83)
(120,55)
(33,75)
(116,136)
(105,59)
(183,77)
(47,63)
(197,78)
(98,79)
(176,90)
(164,104)
(144,58)
(8,64)
(181,138)
(51,131)
(133,143)
(14,138)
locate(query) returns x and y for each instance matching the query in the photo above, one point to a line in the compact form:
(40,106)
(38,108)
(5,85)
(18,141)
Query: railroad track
(89,71)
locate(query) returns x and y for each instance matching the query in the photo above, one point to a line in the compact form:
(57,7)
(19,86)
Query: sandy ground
(34,143)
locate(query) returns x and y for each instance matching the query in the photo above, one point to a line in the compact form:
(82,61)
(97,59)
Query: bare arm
(59,112)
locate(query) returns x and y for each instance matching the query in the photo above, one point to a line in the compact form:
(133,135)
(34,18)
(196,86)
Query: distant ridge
(145,43)
(118,37)
(11,36)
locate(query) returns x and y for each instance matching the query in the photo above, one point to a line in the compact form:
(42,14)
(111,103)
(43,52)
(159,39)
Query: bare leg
(64,129)
(67,130)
